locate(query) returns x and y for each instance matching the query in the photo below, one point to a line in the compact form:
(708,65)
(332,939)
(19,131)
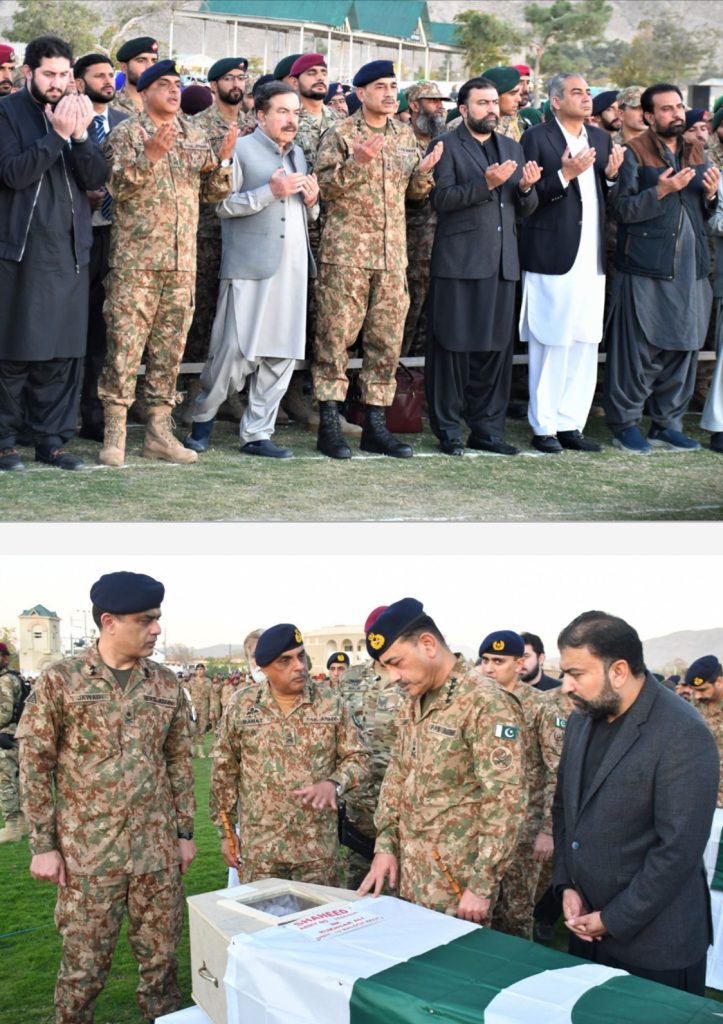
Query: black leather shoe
(92,432)
(267,449)
(330,440)
(546,443)
(377,438)
(489,443)
(59,458)
(451,447)
(716,442)
(577,442)
(10,460)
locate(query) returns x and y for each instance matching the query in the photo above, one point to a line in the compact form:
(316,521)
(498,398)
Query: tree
(9,637)
(663,51)
(562,23)
(130,16)
(486,40)
(594,61)
(73,20)
(180,654)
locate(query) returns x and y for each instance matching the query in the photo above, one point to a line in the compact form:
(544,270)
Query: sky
(471,580)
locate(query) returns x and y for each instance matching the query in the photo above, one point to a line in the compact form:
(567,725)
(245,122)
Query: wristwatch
(339,788)
(81,138)
(185,835)
(226,162)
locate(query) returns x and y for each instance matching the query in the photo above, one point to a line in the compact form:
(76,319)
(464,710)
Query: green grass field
(225,486)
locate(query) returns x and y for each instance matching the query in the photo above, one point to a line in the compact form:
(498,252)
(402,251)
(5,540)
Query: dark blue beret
(603,100)
(390,624)
(374,70)
(124,592)
(275,641)
(353,103)
(335,89)
(156,71)
(503,641)
(703,670)
(226,64)
(338,658)
(694,116)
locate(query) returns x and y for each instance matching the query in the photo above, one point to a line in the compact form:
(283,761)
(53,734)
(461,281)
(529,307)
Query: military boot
(377,438)
(160,441)
(12,833)
(330,440)
(185,411)
(113,452)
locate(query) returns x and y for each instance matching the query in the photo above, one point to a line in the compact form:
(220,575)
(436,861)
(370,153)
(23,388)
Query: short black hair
(200,665)
(262,99)
(646,98)
(474,83)
(535,642)
(46,46)
(87,61)
(422,624)
(607,637)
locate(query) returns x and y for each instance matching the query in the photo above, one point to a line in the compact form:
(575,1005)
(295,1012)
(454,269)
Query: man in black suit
(481,186)
(533,670)
(636,793)
(562,254)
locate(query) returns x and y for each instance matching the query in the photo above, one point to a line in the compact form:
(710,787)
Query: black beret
(338,658)
(703,670)
(503,641)
(693,117)
(87,60)
(505,78)
(603,100)
(135,47)
(335,89)
(284,66)
(275,641)
(353,103)
(373,71)
(124,592)
(226,64)
(156,71)
(390,624)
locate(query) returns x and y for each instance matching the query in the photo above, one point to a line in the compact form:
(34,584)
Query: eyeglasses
(233,78)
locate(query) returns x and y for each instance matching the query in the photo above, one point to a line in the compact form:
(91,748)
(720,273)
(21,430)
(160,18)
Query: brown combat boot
(12,833)
(113,452)
(160,441)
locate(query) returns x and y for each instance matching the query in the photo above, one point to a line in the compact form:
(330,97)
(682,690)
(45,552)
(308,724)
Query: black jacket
(28,148)
(550,238)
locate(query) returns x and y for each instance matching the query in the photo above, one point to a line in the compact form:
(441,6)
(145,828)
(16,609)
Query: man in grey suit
(260,325)
(636,793)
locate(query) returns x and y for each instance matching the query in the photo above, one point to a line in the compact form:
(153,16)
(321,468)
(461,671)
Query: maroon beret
(306,61)
(7,54)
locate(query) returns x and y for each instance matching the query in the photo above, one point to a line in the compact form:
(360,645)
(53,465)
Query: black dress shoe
(716,442)
(10,460)
(489,443)
(577,442)
(59,458)
(267,449)
(92,432)
(451,447)
(546,443)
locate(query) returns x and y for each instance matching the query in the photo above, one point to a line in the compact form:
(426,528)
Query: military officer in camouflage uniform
(235,682)
(10,694)
(507,81)
(160,166)
(705,678)
(628,101)
(366,166)
(201,688)
(336,665)
(454,796)
(107,788)
(286,750)
(502,655)
(134,57)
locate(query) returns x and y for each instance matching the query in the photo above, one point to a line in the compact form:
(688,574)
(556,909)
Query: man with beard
(636,793)
(534,660)
(134,57)
(94,78)
(606,113)
(661,295)
(7,69)
(428,122)
(704,682)
(48,160)
(336,99)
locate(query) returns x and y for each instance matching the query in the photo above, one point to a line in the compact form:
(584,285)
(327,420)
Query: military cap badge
(376,641)
(498,645)
(298,637)
(340,657)
(698,681)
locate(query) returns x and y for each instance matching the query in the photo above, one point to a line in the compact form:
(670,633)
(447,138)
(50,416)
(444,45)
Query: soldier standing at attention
(366,165)
(705,678)
(161,165)
(286,750)
(200,686)
(105,771)
(134,57)
(336,665)
(10,700)
(454,796)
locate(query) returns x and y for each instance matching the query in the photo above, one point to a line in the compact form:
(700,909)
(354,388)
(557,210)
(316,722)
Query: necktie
(99,128)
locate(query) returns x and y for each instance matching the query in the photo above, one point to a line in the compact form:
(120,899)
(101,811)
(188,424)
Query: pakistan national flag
(387,962)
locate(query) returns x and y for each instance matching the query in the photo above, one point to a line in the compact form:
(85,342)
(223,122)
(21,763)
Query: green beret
(135,47)
(530,115)
(718,104)
(285,65)
(403,104)
(226,64)
(504,78)
(717,119)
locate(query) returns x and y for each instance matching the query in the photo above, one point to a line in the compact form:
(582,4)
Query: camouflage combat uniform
(106,780)
(261,757)
(201,691)
(151,285)
(122,101)
(363,257)
(421,223)
(545,729)
(455,784)
(713,715)
(228,689)
(9,696)
(714,149)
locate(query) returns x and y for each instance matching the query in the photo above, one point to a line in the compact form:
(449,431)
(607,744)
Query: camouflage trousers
(9,802)
(88,914)
(518,888)
(320,872)
(208,264)
(201,706)
(349,298)
(422,881)
(145,309)
(414,341)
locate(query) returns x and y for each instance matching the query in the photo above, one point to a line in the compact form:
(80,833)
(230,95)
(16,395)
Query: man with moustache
(48,161)
(636,793)
(606,112)
(95,78)
(704,683)
(135,56)
(631,114)
(7,69)
(662,298)
(533,667)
